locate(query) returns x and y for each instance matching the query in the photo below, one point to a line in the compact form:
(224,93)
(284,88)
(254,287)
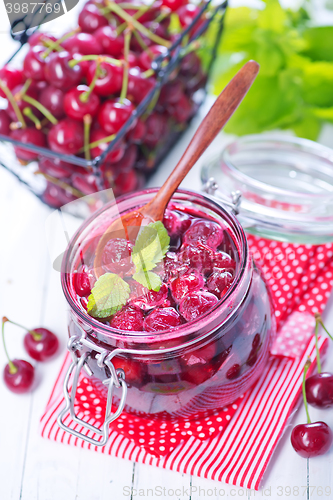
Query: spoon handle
(223,108)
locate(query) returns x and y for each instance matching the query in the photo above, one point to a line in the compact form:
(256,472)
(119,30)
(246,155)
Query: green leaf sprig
(111,292)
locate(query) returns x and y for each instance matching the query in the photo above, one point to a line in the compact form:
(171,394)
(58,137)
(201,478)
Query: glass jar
(286,186)
(196,367)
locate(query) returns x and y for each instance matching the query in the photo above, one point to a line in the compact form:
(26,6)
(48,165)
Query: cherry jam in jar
(200,341)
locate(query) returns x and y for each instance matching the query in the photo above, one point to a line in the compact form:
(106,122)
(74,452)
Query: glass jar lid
(286,186)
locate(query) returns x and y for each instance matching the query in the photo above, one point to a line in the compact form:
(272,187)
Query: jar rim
(182,330)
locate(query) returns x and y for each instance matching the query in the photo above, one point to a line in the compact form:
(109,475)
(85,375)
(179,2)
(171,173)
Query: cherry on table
(19,376)
(311,439)
(319,390)
(41,344)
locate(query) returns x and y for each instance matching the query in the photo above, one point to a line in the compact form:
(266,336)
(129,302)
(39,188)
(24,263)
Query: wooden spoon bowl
(128,225)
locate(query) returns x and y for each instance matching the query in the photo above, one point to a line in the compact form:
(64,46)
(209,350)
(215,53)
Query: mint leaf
(108,296)
(150,246)
(149,280)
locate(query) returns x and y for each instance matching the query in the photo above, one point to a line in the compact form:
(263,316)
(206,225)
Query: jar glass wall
(198,366)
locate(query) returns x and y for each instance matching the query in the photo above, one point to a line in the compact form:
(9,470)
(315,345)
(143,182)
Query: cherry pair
(41,344)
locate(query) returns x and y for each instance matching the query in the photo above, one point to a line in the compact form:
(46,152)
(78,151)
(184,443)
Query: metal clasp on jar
(116,379)
(211,186)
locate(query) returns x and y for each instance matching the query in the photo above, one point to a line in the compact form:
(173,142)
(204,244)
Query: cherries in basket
(41,344)
(75,93)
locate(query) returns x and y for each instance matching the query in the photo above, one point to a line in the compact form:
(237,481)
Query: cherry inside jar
(201,340)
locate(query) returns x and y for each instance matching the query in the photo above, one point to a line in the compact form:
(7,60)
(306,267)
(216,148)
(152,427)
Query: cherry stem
(92,57)
(306,367)
(23,90)
(148,73)
(61,184)
(124,87)
(47,42)
(317,349)
(36,336)
(85,96)
(56,44)
(29,114)
(139,13)
(191,47)
(14,104)
(320,321)
(142,43)
(87,120)
(12,367)
(163,15)
(41,108)
(133,22)
(97,143)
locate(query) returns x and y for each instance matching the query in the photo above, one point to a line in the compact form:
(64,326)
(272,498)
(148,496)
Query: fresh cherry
(115,155)
(111,44)
(82,43)
(319,390)
(311,439)
(79,101)
(34,63)
(66,136)
(31,92)
(86,183)
(138,86)
(59,74)
(157,129)
(57,168)
(91,18)
(114,114)
(110,78)
(11,78)
(19,376)
(138,132)
(146,57)
(41,344)
(38,38)
(127,182)
(162,319)
(182,110)
(28,136)
(174,5)
(56,196)
(127,162)
(4,122)
(53,100)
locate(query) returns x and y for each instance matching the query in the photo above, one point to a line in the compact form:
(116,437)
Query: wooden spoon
(227,102)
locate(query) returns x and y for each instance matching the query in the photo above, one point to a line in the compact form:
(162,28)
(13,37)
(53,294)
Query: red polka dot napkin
(246,432)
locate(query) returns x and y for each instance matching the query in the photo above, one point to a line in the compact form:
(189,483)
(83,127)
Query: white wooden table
(32,468)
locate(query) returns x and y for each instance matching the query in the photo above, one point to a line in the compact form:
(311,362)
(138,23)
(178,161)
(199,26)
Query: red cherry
(59,74)
(41,344)
(162,319)
(38,38)
(132,369)
(115,155)
(185,284)
(171,93)
(187,13)
(31,92)
(83,281)
(174,4)
(116,257)
(126,163)
(157,129)
(110,78)
(222,260)
(114,114)
(145,299)
(182,110)
(21,380)
(56,197)
(198,257)
(74,105)
(53,100)
(34,63)
(233,371)
(311,440)
(129,319)
(66,136)
(146,57)
(127,182)
(28,136)
(82,43)
(319,390)
(111,43)
(11,78)
(57,168)
(151,14)
(199,365)
(219,283)
(190,64)
(137,133)
(203,231)
(84,65)
(196,304)
(4,122)
(138,86)
(85,183)
(91,18)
